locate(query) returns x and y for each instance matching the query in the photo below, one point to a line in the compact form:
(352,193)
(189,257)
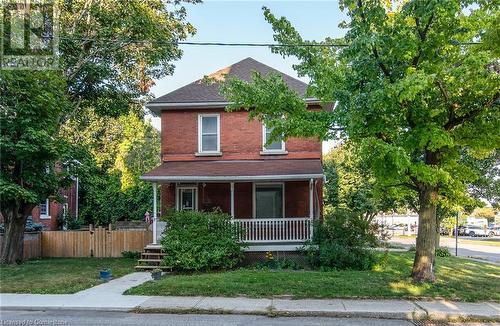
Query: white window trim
(178,196)
(200,147)
(254,197)
(45,216)
(266,151)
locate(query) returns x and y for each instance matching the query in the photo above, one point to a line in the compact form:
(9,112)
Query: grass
(59,275)
(458,279)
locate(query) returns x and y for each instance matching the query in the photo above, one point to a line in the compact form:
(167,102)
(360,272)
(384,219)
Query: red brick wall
(243,200)
(212,195)
(167,197)
(240,138)
(56,210)
(297,199)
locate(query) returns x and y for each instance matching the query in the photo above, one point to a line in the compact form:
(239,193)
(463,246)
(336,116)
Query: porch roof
(243,170)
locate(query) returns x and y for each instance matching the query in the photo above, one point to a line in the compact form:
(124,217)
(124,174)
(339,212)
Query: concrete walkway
(108,297)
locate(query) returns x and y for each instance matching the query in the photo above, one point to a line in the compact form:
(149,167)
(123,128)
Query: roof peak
(199,92)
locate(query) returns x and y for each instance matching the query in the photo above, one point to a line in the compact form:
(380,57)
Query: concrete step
(154,254)
(149,267)
(150,260)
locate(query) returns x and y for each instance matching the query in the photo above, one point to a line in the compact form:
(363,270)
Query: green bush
(442,252)
(342,241)
(201,241)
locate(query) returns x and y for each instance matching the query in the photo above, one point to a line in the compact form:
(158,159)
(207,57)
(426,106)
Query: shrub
(197,241)
(342,242)
(131,254)
(442,252)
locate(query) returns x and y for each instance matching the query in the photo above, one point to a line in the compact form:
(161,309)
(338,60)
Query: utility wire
(231,44)
(252,44)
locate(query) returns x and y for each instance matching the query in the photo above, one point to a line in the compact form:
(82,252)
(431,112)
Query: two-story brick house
(214,158)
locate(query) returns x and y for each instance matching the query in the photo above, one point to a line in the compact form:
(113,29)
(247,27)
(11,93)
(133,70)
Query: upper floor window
(209,133)
(275,146)
(44,209)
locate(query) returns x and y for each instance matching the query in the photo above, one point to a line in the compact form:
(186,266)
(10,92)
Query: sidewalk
(108,297)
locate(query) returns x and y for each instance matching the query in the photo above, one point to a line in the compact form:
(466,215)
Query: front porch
(274,211)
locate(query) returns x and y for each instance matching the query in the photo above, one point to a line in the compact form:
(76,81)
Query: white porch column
(232,199)
(311,199)
(155,212)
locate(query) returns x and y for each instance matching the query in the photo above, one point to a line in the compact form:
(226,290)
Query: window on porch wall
(269,201)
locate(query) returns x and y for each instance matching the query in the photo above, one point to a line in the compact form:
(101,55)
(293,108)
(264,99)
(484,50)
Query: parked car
(476,231)
(444,231)
(493,231)
(461,230)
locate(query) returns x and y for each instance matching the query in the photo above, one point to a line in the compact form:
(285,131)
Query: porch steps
(151,258)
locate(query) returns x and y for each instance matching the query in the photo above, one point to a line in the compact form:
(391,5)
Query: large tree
(110,52)
(31,104)
(416,88)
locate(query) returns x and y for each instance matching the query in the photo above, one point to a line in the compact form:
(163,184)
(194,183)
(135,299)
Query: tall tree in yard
(416,86)
(32,104)
(110,52)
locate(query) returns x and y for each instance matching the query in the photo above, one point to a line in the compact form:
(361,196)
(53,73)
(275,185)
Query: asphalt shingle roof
(239,170)
(200,91)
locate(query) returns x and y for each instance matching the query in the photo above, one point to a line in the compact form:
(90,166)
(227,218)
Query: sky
(243,22)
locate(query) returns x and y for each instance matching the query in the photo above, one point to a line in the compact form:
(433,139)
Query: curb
(51,308)
(271,312)
(415,315)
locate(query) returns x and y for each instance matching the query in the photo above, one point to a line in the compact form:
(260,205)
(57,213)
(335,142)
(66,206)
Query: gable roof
(200,94)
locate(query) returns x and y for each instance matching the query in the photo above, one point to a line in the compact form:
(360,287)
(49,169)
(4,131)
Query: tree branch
(382,66)
(423,37)
(455,121)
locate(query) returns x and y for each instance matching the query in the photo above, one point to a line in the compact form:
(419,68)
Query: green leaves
(411,91)
(201,241)
(32,103)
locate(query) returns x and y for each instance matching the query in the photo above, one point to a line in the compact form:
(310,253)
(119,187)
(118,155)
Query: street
(80,317)
(472,250)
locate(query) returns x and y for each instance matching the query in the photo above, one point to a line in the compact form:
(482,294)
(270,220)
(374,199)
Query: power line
(230,44)
(249,44)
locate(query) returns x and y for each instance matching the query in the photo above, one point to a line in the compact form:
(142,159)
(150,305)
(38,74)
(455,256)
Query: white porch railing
(264,230)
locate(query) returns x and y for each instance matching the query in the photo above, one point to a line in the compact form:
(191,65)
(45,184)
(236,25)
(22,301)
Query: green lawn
(458,279)
(60,275)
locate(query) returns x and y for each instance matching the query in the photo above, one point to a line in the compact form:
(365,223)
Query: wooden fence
(95,242)
(98,242)
(32,245)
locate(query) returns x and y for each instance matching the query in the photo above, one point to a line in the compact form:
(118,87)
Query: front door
(187,199)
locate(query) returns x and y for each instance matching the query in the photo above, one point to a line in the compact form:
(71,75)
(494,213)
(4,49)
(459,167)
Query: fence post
(91,240)
(108,242)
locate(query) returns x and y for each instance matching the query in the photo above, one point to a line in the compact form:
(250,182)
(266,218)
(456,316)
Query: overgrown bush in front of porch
(201,241)
(342,241)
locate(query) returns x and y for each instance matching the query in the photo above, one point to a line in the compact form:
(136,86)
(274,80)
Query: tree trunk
(423,265)
(13,242)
